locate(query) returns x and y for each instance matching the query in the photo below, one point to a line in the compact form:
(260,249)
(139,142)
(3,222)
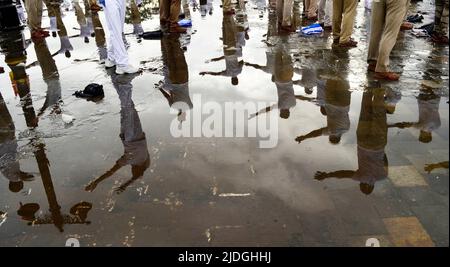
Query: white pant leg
(321,10)
(115,17)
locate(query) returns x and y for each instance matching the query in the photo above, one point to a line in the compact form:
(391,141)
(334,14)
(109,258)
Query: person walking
(117,54)
(387,17)
(344,13)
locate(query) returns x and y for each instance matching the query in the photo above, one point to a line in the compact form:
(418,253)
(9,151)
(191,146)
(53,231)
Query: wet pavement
(115,176)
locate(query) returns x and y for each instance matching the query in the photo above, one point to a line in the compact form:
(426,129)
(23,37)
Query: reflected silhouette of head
(323,110)
(425,137)
(390,109)
(81,210)
(138,170)
(234,81)
(15,186)
(334,139)
(284,113)
(366,188)
(308,90)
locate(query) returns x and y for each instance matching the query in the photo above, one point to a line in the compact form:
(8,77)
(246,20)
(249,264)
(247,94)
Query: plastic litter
(67,119)
(185,23)
(311,29)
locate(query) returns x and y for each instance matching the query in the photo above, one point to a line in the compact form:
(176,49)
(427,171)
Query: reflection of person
(175,87)
(231,51)
(51,77)
(429,117)
(387,17)
(9,163)
(372,140)
(336,107)
(133,138)
(440,165)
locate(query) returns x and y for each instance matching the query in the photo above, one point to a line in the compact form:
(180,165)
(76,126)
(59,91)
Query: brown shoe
(327,28)
(350,43)
(372,66)
(406,26)
(37,35)
(287,28)
(390,76)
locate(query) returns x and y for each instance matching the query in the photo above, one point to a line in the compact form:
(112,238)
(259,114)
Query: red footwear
(37,35)
(96,8)
(406,26)
(390,76)
(44,33)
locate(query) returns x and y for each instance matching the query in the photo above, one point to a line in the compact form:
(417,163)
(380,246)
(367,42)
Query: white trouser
(115,20)
(326,12)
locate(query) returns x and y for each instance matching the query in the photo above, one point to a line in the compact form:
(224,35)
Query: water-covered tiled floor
(215,191)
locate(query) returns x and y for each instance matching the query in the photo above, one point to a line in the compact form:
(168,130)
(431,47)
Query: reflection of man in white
(115,20)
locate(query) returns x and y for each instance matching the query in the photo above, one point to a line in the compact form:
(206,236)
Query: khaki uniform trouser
(344,13)
(81,17)
(387,17)
(226,5)
(135,14)
(441,17)
(284,11)
(169,10)
(53,8)
(99,32)
(311,8)
(34,11)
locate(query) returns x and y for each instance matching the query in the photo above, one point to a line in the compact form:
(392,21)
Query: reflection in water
(205,174)
(371,139)
(232,50)
(21,83)
(133,138)
(175,87)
